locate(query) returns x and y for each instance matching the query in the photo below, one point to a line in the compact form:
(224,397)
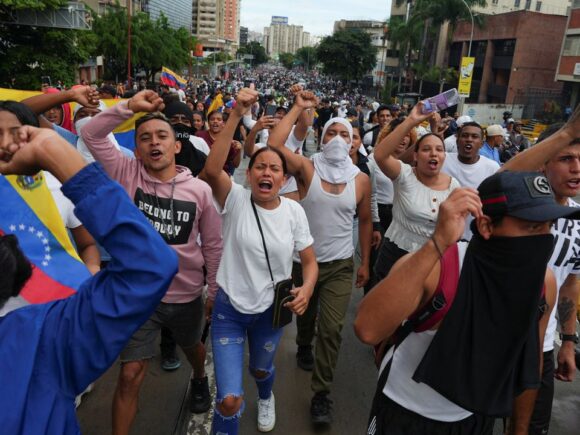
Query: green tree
(28,53)
(347,54)
(255,49)
(307,56)
(287,60)
(153,43)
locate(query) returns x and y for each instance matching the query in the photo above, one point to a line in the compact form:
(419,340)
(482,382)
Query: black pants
(385,216)
(389,253)
(540,421)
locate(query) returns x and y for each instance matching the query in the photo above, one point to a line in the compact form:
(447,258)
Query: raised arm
(213,173)
(83,95)
(265,121)
(413,277)
(384,150)
(96,133)
(534,158)
(85,333)
(297,165)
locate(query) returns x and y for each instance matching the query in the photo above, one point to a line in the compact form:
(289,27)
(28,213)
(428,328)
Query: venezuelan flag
(124,133)
(28,211)
(172,79)
(216,104)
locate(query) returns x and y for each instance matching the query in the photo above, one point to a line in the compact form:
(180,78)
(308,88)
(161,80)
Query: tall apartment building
(377,31)
(216,24)
(283,38)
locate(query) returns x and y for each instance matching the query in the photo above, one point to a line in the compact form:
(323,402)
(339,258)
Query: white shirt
(181,94)
(451,144)
(200,144)
(565,261)
(415,210)
(384,185)
(469,176)
(243,272)
(64,205)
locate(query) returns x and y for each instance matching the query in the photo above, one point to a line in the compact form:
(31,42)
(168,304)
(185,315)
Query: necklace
(170,230)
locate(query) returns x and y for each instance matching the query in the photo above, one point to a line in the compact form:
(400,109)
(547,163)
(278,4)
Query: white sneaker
(266,414)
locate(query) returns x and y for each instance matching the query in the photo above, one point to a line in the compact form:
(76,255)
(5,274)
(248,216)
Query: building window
(516,3)
(528,4)
(494,2)
(538,6)
(576,4)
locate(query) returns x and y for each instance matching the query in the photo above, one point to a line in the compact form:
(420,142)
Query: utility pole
(129,81)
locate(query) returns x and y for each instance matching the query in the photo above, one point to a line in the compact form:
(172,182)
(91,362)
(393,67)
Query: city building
(507,53)
(378,33)
(178,12)
(569,62)
(216,24)
(232,21)
(243,36)
(306,39)
(100,6)
(552,7)
(281,37)
(255,36)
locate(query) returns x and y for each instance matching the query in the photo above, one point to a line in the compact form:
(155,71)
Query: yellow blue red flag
(172,79)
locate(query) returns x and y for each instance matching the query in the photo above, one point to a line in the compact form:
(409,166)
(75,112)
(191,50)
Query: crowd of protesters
(431,214)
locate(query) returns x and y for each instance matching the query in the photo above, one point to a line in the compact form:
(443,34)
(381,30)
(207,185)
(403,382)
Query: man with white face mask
(332,190)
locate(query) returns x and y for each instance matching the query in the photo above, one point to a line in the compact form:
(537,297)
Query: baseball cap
(495,130)
(523,195)
(463,119)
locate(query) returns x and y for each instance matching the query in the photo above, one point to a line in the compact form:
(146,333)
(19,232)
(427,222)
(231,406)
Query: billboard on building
(279,20)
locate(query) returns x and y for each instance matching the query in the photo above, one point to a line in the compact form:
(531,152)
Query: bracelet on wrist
(437,247)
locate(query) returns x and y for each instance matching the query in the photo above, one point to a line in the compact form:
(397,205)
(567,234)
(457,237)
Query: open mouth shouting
(573,183)
(468,147)
(155,154)
(265,186)
(433,163)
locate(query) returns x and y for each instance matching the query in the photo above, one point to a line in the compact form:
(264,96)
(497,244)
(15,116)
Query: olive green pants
(328,307)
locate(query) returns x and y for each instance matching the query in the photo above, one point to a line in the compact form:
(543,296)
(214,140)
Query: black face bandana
(188,156)
(486,350)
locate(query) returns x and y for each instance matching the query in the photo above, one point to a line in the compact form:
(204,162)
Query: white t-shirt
(384,184)
(451,144)
(243,272)
(64,205)
(565,261)
(200,144)
(415,210)
(469,176)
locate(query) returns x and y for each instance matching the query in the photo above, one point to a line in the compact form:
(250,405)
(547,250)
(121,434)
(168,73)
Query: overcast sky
(317,16)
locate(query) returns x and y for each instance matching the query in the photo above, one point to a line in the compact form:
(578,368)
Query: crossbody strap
(263,239)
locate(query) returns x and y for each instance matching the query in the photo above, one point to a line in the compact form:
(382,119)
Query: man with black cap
(107,92)
(482,361)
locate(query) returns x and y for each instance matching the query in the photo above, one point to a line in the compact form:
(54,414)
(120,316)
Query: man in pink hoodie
(180,207)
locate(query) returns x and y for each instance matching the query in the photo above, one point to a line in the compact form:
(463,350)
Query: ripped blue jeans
(229,330)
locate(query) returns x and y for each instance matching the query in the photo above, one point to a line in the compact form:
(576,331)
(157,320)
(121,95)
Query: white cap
(495,130)
(463,119)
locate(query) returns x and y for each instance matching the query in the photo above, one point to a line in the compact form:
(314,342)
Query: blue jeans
(229,330)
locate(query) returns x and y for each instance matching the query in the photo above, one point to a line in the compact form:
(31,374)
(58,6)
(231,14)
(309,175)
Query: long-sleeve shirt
(51,352)
(180,209)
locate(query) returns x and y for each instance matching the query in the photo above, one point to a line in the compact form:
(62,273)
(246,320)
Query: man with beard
(467,165)
(331,190)
(482,361)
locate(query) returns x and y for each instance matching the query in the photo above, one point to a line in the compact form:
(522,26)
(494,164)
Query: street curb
(184,416)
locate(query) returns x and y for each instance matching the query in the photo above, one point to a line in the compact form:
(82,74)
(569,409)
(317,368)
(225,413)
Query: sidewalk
(161,399)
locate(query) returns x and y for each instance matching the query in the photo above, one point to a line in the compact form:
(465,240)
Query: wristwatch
(569,337)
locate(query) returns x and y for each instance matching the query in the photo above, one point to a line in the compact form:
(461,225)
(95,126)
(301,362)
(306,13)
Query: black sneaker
(321,409)
(200,400)
(304,358)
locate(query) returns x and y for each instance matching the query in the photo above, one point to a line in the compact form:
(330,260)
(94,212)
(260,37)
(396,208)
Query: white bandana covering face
(334,164)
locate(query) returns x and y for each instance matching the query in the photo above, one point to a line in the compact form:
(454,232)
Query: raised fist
(146,101)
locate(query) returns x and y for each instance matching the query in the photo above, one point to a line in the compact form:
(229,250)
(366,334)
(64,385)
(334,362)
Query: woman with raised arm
(261,231)
(418,191)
